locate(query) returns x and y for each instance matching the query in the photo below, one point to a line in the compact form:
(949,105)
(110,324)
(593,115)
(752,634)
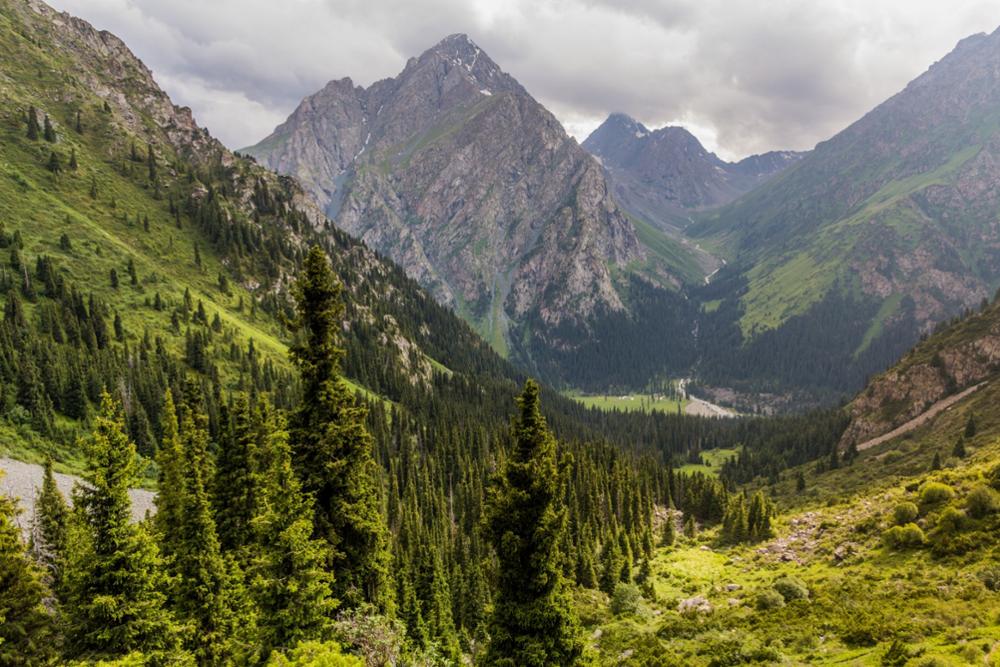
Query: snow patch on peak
(485,91)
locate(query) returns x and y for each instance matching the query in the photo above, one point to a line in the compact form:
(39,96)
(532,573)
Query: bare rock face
(961,356)
(455,172)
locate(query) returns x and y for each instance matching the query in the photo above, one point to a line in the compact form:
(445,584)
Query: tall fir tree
(237,484)
(33,127)
(48,535)
(114,575)
(27,628)
(208,592)
(332,448)
(532,623)
(170,463)
(292,589)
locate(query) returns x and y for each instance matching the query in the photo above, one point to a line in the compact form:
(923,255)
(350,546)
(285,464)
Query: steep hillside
(895,217)
(882,553)
(454,171)
(961,358)
(137,248)
(663,175)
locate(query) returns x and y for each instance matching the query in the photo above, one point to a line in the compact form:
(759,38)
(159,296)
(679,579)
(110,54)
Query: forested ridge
(337,495)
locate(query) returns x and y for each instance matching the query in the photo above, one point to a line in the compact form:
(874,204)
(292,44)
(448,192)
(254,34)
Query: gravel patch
(23,481)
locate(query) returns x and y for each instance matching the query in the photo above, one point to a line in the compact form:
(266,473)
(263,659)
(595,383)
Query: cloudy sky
(746,76)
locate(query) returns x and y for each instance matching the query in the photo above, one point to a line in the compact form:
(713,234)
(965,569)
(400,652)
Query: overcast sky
(744,76)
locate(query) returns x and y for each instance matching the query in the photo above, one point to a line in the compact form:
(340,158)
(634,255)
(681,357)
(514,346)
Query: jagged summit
(456,172)
(661,175)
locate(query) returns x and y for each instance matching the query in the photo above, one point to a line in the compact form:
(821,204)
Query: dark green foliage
(331,446)
(27,628)
(55,163)
(73,165)
(959,449)
(208,591)
(114,574)
(669,531)
(532,622)
(48,535)
(970,427)
(289,583)
(49,132)
(33,127)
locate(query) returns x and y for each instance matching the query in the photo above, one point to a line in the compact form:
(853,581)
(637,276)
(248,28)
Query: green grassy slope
(204,230)
(936,599)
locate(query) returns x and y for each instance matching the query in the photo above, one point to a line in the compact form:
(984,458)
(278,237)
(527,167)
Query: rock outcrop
(455,172)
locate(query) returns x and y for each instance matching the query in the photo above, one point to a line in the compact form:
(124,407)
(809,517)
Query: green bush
(791,588)
(909,536)
(769,598)
(935,493)
(981,502)
(626,600)
(990,576)
(315,654)
(950,522)
(904,513)
(897,655)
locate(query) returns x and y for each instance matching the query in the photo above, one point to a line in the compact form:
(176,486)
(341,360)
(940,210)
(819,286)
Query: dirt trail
(22,480)
(921,419)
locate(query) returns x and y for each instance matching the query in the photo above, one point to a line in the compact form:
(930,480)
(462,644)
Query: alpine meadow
(679,348)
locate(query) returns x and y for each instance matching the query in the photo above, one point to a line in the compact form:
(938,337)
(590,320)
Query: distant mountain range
(593,274)
(663,175)
(881,231)
(455,172)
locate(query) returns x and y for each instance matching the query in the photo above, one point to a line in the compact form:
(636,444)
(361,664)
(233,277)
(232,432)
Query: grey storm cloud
(745,76)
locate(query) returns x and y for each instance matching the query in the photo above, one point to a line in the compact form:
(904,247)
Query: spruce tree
(114,579)
(669,531)
(26,626)
(208,592)
(73,164)
(49,132)
(54,164)
(170,461)
(238,484)
(331,447)
(959,450)
(532,623)
(970,427)
(612,563)
(33,128)
(290,585)
(48,539)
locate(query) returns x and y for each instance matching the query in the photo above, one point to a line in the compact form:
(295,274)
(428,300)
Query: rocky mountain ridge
(455,172)
(957,358)
(666,174)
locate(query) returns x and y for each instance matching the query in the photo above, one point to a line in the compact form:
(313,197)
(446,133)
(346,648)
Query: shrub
(626,600)
(903,537)
(769,598)
(905,513)
(935,493)
(982,501)
(896,655)
(990,577)
(315,654)
(791,588)
(950,522)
